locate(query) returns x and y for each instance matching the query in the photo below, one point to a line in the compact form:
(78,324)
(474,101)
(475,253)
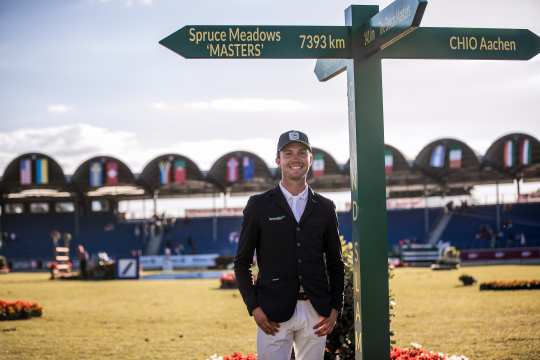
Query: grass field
(192,319)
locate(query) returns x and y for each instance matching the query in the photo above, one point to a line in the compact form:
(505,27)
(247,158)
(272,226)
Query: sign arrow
(266,42)
(466,43)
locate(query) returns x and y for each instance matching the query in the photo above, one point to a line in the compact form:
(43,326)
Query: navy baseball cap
(292,136)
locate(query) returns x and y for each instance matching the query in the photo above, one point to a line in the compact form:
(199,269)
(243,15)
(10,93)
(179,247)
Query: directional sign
(391,24)
(267,42)
(466,43)
(327,69)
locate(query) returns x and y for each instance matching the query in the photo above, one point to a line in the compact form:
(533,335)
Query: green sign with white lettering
(464,43)
(268,42)
(369,36)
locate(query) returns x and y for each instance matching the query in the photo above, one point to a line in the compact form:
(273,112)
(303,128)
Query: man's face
(294,161)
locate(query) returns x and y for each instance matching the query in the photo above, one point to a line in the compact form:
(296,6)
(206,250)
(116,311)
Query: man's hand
(269,327)
(326,325)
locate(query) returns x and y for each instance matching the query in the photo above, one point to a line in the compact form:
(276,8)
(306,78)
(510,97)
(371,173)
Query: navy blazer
(290,254)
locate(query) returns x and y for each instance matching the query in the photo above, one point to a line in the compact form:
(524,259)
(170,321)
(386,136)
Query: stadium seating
(104,232)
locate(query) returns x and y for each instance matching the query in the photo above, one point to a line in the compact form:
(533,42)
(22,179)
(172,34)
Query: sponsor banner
(500,254)
(178,261)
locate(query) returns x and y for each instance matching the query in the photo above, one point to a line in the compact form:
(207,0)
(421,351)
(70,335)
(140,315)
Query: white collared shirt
(297,203)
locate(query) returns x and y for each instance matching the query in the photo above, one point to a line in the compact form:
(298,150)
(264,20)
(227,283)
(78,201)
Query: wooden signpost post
(369,35)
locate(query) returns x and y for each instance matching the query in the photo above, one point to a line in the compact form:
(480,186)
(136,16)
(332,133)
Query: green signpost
(369,36)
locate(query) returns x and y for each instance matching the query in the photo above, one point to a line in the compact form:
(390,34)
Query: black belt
(302,296)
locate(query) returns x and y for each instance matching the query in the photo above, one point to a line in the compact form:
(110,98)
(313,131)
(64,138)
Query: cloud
(58,108)
(235,105)
(130,3)
(70,145)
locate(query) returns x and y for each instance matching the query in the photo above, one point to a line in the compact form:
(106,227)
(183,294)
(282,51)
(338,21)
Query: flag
(437,157)
(42,171)
(455,158)
(164,172)
(232,170)
(525,152)
(96,174)
(388,161)
(180,174)
(112,173)
(249,168)
(318,165)
(25,172)
(509,154)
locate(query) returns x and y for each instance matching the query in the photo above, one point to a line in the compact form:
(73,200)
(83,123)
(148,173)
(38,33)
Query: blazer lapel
(279,200)
(310,205)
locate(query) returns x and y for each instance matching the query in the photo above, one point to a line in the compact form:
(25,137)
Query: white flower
(215,357)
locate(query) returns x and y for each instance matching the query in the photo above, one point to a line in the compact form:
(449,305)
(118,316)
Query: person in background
(82,256)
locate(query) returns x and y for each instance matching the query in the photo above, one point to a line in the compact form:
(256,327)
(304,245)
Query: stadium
(85,204)
(125,171)
(83,208)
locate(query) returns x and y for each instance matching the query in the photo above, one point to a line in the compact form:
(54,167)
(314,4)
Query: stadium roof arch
(452,164)
(516,155)
(106,176)
(174,174)
(401,179)
(241,172)
(33,175)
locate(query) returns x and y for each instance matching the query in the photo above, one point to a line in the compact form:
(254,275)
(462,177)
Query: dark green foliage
(340,343)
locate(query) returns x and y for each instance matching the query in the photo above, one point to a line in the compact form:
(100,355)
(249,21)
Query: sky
(82,78)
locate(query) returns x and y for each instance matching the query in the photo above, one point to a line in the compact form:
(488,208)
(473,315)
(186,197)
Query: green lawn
(192,319)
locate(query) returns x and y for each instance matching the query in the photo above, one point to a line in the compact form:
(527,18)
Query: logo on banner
(294,135)
(127,268)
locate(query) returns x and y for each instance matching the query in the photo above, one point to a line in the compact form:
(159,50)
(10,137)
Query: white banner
(178,261)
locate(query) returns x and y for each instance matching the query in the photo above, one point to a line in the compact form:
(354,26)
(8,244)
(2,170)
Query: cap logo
(294,135)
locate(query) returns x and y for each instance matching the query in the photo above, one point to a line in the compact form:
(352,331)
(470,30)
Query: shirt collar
(288,195)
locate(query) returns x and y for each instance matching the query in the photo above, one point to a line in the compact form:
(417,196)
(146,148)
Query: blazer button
(299,261)
(298,244)
(300,277)
(298,228)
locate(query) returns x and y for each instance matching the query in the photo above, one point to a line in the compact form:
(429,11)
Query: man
(298,292)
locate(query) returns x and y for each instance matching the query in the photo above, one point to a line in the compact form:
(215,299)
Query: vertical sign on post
(368,37)
(368,192)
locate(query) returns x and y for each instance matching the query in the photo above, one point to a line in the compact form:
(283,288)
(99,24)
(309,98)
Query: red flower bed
(19,309)
(415,354)
(511,285)
(228,281)
(395,354)
(240,356)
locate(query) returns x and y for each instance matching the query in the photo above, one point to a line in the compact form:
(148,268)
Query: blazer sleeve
(334,261)
(247,243)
